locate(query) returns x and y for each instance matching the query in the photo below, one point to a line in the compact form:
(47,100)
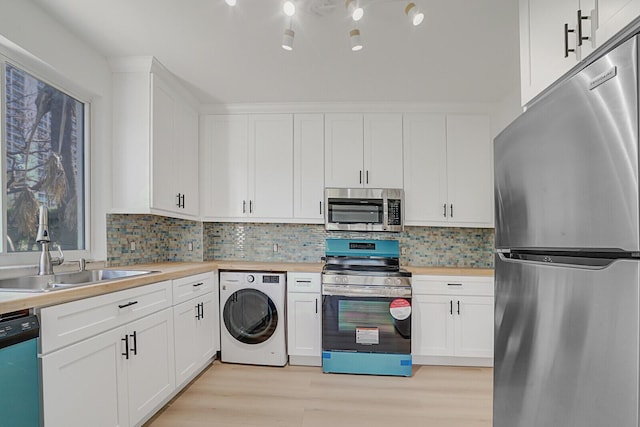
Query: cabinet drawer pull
(134,349)
(129,304)
(126,346)
(566,40)
(581,18)
(303,281)
(454,284)
(195,285)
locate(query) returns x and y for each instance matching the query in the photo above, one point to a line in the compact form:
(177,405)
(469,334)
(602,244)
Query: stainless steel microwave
(364,209)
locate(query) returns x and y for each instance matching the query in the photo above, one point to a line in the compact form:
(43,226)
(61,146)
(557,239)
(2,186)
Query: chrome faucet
(45,266)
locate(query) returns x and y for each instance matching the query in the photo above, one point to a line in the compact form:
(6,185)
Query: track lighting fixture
(289,8)
(355,11)
(414,14)
(287,39)
(354,8)
(356,42)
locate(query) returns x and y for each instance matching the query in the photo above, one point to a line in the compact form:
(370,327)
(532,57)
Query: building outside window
(44,147)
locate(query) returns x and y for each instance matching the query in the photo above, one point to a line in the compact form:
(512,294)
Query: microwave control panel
(395,215)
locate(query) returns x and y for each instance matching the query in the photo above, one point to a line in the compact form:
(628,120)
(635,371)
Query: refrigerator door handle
(568,259)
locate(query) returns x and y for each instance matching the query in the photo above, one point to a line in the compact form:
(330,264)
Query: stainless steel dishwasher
(19,385)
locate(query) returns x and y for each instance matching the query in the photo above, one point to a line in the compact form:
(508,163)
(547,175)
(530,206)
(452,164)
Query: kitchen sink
(66,280)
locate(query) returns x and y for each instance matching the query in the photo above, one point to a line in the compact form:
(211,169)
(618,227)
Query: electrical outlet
(275,247)
(190,246)
(403,251)
(132,246)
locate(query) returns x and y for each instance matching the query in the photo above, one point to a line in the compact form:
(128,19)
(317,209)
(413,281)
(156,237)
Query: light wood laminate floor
(295,396)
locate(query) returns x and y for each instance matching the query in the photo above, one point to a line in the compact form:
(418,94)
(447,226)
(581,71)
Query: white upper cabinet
(555,35)
(613,15)
(308,167)
(155,141)
(224,165)
(247,163)
(363,150)
(448,171)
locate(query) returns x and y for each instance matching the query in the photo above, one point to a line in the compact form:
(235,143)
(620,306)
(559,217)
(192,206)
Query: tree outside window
(44,146)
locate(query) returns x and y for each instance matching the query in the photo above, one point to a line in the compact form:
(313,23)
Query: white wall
(506,111)
(74,65)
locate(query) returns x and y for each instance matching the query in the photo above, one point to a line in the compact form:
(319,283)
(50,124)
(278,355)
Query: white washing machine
(252,318)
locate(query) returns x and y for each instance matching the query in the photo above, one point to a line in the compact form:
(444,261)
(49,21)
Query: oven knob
(250,278)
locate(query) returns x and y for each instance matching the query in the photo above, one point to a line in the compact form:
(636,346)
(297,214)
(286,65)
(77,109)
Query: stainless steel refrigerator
(568,253)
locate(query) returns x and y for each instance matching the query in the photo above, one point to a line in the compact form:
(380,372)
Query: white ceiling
(465,50)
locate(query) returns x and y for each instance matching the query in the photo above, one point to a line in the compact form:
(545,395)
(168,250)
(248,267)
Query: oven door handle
(366,291)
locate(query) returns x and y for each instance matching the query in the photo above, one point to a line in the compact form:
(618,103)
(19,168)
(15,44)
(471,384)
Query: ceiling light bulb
(356,43)
(289,8)
(230,2)
(287,39)
(414,14)
(354,9)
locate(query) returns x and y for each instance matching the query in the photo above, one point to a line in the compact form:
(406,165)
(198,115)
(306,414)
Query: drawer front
(304,282)
(190,287)
(452,285)
(71,322)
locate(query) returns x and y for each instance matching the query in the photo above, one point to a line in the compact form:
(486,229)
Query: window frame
(19,58)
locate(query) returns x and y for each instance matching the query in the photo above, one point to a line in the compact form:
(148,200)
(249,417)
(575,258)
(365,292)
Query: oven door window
(350,211)
(365,325)
(250,316)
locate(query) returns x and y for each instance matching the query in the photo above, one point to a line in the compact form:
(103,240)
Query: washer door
(250,316)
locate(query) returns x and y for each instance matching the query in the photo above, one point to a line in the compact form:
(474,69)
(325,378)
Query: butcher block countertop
(14,301)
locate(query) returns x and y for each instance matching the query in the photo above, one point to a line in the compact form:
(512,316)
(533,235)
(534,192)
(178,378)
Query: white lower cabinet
(114,379)
(452,320)
(304,319)
(195,322)
(113,360)
(86,384)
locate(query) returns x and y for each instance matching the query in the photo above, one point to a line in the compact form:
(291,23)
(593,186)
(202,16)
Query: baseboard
(453,361)
(305,360)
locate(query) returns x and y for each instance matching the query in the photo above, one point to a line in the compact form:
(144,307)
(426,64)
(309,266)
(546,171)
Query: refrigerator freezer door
(566,171)
(566,347)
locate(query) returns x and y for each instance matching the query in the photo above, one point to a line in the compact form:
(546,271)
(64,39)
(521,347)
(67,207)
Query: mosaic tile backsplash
(161,239)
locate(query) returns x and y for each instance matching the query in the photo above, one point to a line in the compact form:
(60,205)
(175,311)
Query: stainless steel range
(366,309)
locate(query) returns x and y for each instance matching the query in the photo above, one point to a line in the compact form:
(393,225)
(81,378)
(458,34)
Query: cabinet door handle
(129,304)
(367,177)
(126,346)
(183,205)
(316,305)
(197,307)
(444,210)
(321,207)
(451,210)
(134,349)
(566,40)
(458,307)
(244,206)
(360,177)
(451,307)
(178,200)
(250,206)
(581,18)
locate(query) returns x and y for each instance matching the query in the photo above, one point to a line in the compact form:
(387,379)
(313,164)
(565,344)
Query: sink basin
(65,280)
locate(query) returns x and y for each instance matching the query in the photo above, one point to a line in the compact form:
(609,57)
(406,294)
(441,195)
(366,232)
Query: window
(44,147)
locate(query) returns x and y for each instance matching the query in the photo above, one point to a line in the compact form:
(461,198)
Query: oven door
(368,324)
